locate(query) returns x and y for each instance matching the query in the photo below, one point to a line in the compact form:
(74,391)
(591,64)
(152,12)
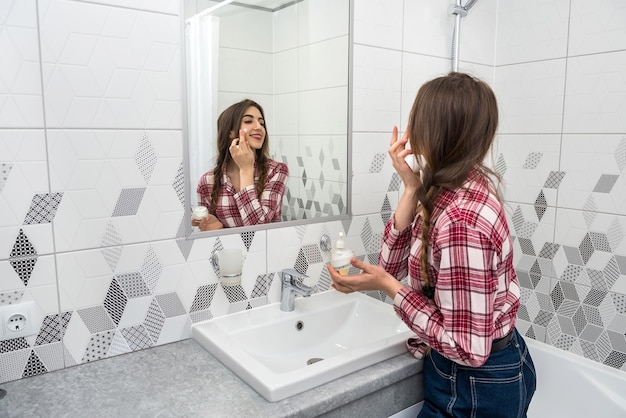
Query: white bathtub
(572,386)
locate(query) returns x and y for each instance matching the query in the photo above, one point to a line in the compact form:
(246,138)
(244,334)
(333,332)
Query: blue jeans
(502,387)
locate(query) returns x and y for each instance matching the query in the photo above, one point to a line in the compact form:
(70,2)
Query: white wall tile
(20,85)
(529,160)
(531,30)
(530,96)
(428,28)
(237,32)
(92,169)
(378,24)
(478,33)
(572,229)
(323,111)
(322,19)
(245,71)
(596,26)
(93,78)
(162,6)
(595,94)
(377,89)
(285,26)
(313,64)
(286,71)
(372,170)
(24,174)
(585,158)
(287,112)
(324,156)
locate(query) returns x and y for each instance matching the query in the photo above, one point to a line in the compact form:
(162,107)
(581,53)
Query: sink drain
(313,360)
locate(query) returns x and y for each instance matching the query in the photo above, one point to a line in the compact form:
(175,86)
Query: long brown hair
(228,123)
(452,125)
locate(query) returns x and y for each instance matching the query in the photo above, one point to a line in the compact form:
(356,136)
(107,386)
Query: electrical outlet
(17,320)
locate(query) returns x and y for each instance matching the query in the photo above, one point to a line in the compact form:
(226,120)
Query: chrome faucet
(291,286)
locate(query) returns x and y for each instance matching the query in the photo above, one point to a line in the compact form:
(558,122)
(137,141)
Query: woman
(245,187)
(450,234)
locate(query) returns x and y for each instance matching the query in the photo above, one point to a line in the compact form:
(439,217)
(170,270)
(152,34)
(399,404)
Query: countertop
(181,379)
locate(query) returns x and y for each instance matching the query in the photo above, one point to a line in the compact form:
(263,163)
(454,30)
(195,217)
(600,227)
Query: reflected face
(254,124)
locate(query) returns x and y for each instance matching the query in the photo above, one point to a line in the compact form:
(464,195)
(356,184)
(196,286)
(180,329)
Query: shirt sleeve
(204,188)
(395,248)
(267,208)
(459,322)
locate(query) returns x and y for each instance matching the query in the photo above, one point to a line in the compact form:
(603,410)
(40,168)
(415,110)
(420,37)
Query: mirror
(293,58)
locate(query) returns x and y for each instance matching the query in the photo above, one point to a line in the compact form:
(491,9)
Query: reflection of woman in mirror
(246,186)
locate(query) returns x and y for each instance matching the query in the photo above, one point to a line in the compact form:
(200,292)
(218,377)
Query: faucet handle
(288,274)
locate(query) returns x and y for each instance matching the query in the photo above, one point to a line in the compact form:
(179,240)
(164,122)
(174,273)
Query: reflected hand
(211,223)
(397,151)
(372,277)
(241,152)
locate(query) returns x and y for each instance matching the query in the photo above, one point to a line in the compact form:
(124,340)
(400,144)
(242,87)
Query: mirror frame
(190,232)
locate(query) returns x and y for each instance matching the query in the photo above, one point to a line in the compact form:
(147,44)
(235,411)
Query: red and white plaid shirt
(245,207)
(470,259)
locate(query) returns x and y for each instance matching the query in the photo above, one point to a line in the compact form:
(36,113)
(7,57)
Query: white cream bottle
(340,256)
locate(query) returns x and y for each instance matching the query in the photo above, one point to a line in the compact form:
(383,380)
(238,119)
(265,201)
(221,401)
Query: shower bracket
(455,9)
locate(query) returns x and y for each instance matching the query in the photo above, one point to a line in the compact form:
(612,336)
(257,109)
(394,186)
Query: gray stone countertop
(181,379)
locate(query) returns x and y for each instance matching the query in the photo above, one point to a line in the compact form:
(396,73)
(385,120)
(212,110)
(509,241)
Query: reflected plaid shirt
(470,259)
(245,207)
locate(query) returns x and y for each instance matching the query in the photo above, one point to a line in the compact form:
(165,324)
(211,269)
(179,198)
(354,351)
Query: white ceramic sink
(328,335)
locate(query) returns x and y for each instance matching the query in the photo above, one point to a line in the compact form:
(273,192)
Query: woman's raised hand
(398,151)
(241,152)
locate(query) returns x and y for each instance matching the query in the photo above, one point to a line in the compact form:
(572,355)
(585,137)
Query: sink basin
(328,335)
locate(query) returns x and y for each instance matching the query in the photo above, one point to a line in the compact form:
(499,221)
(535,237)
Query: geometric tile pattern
(5,170)
(137,337)
(145,158)
(155,318)
(234,293)
(132,284)
(128,201)
(203,298)
(151,269)
(23,257)
(115,301)
(50,330)
(43,208)
(98,346)
(179,183)
(111,246)
(313,198)
(262,285)
(96,319)
(34,366)
(170,305)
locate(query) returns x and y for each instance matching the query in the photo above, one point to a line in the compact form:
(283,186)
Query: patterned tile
(155,318)
(145,158)
(137,337)
(5,170)
(179,183)
(262,285)
(203,298)
(43,208)
(115,301)
(34,366)
(128,201)
(151,269)
(98,346)
(96,319)
(132,284)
